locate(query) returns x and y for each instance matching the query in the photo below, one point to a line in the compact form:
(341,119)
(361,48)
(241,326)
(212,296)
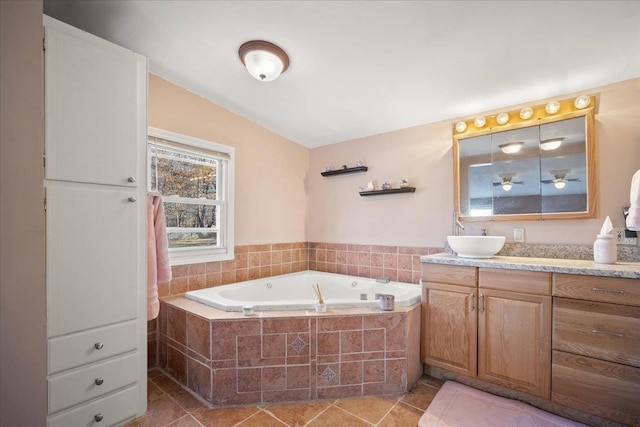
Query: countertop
(628,270)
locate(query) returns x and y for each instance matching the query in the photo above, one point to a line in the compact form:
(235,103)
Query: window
(195,179)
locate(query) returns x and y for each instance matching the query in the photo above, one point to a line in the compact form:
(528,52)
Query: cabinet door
(95,108)
(514,341)
(449,327)
(93,256)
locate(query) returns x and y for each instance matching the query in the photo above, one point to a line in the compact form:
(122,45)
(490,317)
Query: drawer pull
(481,303)
(98,417)
(472,298)
(99,381)
(98,346)
(613,334)
(610,291)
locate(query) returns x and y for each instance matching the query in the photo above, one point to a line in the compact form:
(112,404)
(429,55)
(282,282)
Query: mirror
(542,167)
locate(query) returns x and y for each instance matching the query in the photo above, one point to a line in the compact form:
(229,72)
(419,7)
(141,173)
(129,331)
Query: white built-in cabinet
(95,145)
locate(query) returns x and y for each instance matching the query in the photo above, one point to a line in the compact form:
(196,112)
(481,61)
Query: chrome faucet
(457,225)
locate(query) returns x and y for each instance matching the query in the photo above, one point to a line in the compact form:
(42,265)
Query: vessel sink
(476,246)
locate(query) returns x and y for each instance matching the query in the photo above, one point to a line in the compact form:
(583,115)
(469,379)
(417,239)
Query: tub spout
(383,279)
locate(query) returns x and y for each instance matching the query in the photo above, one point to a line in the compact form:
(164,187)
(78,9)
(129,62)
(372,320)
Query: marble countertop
(629,270)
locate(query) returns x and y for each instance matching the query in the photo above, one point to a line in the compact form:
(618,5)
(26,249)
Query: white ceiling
(361,68)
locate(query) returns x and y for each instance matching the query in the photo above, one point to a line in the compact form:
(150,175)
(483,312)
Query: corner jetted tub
(295,292)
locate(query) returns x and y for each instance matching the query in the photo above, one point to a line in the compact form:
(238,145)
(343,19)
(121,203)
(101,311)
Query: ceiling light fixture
(550,144)
(506,186)
(559,184)
(511,148)
(265,61)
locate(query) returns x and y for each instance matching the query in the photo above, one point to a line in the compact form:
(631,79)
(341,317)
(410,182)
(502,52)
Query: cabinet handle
(613,334)
(481,298)
(611,291)
(98,417)
(131,179)
(99,381)
(98,346)
(131,199)
(472,298)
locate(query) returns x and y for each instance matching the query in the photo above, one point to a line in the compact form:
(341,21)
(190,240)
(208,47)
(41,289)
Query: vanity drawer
(68,389)
(605,389)
(110,410)
(528,282)
(91,346)
(450,274)
(597,288)
(604,331)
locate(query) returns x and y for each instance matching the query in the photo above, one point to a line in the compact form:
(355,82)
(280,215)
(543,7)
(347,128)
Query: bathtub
(294,292)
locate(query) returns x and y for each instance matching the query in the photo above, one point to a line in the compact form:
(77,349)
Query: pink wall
(423,154)
(271,171)
(22,268)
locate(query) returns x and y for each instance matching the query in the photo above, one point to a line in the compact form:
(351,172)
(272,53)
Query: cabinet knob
(131,179)
(99,381)
(98,345)
(131,199)
(98,417)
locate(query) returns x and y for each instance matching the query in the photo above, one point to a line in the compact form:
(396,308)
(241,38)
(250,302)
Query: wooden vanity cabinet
(491,324)
(596,346)
(449,321)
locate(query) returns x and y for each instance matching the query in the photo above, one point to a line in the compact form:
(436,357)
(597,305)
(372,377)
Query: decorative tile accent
(327,375)
(297,345)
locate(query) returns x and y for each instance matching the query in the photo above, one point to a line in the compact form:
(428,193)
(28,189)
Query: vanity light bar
(484,124)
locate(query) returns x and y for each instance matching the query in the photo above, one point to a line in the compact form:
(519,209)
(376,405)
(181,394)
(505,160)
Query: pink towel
(158,266)
(633,219)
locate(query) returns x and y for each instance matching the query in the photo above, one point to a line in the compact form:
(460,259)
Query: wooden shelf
(389,191)
(347,170)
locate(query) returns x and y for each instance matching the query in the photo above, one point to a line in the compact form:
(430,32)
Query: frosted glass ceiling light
(506,186)
(479,122)
(559,185)
(502,118)
(550,144)
(511,148)
(582,102)
(552,107)
(461,127)
(526,113)
(265,61)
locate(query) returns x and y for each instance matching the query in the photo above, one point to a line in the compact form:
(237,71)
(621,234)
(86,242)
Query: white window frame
(225,249)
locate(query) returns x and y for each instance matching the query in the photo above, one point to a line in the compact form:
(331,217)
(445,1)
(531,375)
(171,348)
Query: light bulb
(552,107)
(479,122)
(502,118)
(559,185)
(551,144)
(461,127)
(526,113)
(507,186)
(582,102)
(511,148)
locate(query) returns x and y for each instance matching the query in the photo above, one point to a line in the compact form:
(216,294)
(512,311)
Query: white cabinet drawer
(110,410)
(71,388)
(91,346)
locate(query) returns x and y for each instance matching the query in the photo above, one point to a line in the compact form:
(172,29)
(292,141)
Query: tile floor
(169,405)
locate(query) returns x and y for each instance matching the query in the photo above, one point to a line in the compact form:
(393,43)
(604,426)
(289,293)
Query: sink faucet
(457,225)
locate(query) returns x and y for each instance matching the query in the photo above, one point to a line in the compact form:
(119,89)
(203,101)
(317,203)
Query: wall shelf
(389,191)
(346,170)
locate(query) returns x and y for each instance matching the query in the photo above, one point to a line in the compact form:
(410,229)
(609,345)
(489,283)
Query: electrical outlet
(619,237)
(518,234)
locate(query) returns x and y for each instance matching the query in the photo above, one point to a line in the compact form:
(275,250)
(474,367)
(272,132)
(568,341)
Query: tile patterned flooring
(169,405)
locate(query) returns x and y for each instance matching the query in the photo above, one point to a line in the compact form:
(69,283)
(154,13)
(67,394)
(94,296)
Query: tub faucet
(457,225)
(383,279)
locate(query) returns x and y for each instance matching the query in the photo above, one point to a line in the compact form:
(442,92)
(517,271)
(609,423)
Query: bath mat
(457,405)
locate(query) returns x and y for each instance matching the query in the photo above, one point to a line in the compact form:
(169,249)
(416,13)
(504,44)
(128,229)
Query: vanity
(564,332)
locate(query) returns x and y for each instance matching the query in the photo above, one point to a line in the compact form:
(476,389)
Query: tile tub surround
(228,359)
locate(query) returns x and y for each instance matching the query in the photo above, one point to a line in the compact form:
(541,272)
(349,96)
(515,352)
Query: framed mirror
(532,165)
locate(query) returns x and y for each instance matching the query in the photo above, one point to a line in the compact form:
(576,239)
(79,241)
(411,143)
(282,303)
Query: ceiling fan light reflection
(507,186)
(559,185)
(511,148)
(550,144)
